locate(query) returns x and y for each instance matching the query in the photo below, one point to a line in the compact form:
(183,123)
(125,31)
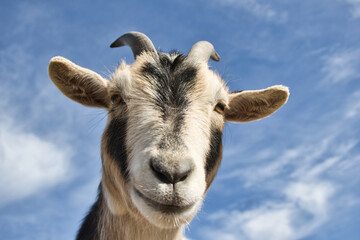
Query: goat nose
(171,174)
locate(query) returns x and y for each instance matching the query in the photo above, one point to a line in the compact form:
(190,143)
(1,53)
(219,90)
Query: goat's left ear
(247,106)
(79,84)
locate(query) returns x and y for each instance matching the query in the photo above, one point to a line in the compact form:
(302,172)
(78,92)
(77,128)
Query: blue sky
(294,175)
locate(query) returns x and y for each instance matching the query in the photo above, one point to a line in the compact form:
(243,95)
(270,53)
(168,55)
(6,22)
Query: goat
(162,144)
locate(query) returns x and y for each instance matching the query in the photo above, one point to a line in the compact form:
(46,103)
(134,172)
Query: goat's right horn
(138,42)
(202,51)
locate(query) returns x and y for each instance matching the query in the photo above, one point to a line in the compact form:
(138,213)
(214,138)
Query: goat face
(170,116)
(161,147)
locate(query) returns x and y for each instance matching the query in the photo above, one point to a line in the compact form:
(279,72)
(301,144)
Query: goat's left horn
(138,42)
(202,51)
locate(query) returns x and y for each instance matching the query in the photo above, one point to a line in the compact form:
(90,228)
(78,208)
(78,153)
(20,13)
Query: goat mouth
(164,208)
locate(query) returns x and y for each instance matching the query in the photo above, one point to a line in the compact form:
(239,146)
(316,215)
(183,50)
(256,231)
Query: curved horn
(138,42)
(202,51)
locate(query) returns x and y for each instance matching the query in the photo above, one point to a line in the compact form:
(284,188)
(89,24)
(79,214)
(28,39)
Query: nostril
(169,174)
(182,177)
(160,172)
(184,170)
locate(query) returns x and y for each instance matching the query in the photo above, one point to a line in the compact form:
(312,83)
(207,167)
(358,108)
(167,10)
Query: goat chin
(166,217)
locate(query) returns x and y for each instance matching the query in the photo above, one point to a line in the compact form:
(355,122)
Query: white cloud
(303,209)
(353,106)
(28,163)
(312,196)
(259,224)
(342,66)
(355,11)
(262,11)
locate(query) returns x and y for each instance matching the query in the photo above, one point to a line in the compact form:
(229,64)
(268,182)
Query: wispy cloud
(342,66)
(304,208)
(355,10)
(28,163)
(352,109)
(260,10)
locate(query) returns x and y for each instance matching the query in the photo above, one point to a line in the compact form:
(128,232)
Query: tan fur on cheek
(112,196)
(114,186)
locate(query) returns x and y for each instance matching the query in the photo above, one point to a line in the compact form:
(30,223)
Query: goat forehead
(166,79)
(169,76)
(166,87)
(165,82)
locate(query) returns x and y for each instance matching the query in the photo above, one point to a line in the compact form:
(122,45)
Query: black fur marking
(173,82)
(89,227)
(215,149)
(116,144)
(177,61)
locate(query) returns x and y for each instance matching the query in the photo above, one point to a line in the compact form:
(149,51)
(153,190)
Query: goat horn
(202,51)
(138,42)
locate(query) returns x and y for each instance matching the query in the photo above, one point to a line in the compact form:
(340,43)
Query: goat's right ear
(79,84)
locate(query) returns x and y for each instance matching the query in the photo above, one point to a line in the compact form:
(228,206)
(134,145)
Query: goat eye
(220,108)
(116,99)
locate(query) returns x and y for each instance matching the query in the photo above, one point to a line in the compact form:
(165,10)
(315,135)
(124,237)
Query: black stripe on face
(215,149)
(116,144)
(174,81)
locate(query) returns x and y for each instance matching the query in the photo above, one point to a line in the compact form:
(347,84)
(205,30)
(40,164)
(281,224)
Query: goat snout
(171,173)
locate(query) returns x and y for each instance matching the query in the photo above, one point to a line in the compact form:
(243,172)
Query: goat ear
(247,106)
(79,84)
